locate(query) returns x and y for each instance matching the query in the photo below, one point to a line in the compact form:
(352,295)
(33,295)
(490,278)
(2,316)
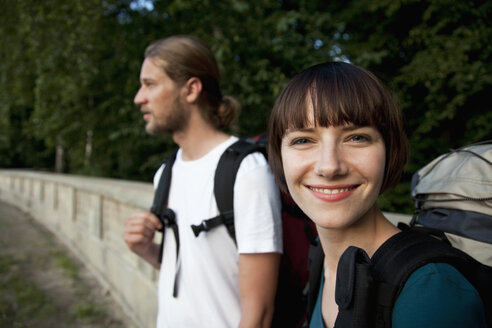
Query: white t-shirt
(208,264)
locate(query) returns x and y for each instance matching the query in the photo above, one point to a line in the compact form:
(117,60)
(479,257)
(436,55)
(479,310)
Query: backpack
(452,197)
(453,194)
(298,231)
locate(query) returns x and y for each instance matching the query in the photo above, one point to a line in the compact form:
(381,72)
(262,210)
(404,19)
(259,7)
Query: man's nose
(139,97)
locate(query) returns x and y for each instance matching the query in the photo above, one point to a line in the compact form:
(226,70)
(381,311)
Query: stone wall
(88,215)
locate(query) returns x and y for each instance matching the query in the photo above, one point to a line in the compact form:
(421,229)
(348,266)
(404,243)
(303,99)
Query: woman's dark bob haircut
(340,93)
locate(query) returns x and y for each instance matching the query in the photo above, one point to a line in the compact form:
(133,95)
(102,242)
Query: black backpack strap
(315,265)
(405,252)
(354,289)
(164,214)
(161,196)
(225,177)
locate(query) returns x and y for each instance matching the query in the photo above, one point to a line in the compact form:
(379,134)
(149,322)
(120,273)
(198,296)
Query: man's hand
(139,235)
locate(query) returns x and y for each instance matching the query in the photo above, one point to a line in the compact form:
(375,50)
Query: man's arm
(139,236)
(258,275)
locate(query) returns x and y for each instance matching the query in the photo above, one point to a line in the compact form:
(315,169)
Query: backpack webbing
(225,177)
(159,205)
(315,263)
(164,214)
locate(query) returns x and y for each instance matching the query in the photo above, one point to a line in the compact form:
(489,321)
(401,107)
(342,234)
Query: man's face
(160,101)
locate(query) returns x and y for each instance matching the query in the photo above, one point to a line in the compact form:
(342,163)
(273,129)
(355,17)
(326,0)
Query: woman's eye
(360,138)
(300,141)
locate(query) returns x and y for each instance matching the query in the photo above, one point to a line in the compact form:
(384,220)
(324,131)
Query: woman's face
(334,173)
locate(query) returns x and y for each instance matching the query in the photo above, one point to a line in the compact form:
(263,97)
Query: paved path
(43,285)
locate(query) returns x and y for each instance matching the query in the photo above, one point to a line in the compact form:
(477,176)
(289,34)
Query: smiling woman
(336,142)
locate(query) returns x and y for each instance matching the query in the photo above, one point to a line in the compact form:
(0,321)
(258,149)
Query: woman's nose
(330,161)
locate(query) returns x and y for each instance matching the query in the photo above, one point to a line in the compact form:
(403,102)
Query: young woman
(336,143)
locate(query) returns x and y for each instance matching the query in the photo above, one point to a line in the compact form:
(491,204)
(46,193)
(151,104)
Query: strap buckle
(199,228)
(209,224)
(167,218)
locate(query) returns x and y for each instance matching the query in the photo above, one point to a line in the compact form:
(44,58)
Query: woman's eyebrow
(352,127)
(290,130)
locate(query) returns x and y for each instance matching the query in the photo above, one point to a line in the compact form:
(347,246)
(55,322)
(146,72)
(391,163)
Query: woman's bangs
(335,105)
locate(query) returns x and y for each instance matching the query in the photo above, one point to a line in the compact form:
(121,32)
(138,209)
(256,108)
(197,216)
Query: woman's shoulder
(439,273)
(437,295)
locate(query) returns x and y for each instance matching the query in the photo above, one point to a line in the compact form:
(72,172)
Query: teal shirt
(435,296)
(316,317)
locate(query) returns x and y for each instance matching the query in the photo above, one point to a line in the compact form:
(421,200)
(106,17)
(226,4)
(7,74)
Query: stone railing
(88,215)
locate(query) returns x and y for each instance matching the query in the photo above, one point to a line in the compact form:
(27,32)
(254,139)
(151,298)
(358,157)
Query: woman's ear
(192,89)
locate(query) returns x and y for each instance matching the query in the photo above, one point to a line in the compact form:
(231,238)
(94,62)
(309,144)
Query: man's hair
(182,57)
(340,93)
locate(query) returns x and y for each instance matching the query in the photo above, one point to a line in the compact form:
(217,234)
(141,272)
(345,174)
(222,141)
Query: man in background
(209,282)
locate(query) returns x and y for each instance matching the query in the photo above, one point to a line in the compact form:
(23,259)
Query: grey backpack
(453,194)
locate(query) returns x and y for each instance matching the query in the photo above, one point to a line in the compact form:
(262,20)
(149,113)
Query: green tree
(60,41)
(435,55)
(18,146)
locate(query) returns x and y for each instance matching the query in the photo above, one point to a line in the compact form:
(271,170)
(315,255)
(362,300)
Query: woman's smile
(332,194)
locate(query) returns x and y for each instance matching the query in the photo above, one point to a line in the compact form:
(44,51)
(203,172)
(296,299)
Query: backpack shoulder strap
(159,205)
(315,263)
(405,252)
(225,177)
(161,194)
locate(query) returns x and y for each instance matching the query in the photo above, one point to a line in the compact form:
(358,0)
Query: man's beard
(175,121)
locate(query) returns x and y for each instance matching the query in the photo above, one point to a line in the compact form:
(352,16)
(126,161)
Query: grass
(22,303)
(66,264)
(84,309)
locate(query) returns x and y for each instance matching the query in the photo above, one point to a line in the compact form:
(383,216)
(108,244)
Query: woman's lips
(332,193)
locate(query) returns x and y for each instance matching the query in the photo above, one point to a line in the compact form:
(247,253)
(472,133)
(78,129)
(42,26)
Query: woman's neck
(369,233)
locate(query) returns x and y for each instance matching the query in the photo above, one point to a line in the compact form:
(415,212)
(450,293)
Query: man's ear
(192,89)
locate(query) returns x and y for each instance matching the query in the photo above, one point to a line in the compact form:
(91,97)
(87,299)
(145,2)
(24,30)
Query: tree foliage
(436,57)
(70,71)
